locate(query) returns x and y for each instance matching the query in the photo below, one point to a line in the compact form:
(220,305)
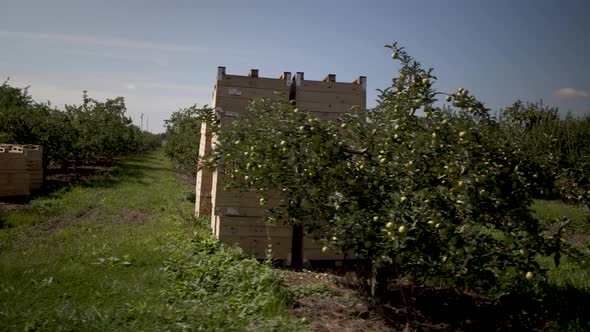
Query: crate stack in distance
(238,218)
(14,179)
(34,158)
(21,169)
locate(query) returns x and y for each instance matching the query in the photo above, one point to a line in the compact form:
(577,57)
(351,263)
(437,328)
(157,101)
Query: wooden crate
(34,158)
(25,163)
(238,217)
(14,179)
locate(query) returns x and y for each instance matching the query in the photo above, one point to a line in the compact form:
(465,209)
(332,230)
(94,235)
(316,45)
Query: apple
(389,225)
(376,218)
(402,229)
(403,199)
(529,275)
(449,98)
(324,249)
(262,201)
(296,110)
(425,81)
(395,55)
(462,134)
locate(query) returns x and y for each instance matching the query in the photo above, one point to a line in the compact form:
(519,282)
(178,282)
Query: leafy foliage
(557,147)
(183,136)
(88,132)
(442,196)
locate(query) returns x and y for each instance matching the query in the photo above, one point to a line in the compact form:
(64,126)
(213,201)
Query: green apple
(529,275)
(402,229)
(449,99)
(389,225)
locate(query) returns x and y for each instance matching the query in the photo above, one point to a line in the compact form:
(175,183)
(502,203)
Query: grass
(568,290)
(549,211)
(123,252)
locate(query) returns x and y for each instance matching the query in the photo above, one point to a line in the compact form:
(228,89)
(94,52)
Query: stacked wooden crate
(14,179)
(34,158)
(238,218)
(21,169)
(329,99)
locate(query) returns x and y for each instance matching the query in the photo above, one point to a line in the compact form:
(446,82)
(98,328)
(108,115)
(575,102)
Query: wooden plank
(254,231)
(281,248)
(338,87)
(244,199)
(352,98)
(249,82)
(326,108)
(249,93)
(33,152)
(240,211)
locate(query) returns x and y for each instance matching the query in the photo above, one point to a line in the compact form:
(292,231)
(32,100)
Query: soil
(339,303)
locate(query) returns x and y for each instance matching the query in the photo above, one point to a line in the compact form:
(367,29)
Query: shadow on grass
(548,308)
(424,308)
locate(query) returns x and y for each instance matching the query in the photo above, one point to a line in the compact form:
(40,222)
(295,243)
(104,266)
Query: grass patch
(550,211)
(123,252)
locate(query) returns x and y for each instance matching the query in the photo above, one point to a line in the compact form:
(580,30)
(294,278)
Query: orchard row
(83,133)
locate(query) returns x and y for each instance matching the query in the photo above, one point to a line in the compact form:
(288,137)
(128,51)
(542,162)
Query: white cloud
(571,93)
(129,86)
(146,57)
(110,42)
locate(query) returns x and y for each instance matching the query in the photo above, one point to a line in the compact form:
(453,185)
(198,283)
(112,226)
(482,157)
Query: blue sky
(163,55)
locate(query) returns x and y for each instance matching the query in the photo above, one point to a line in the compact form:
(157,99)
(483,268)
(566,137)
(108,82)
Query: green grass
(564,299)
(549,211)
(123,252)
